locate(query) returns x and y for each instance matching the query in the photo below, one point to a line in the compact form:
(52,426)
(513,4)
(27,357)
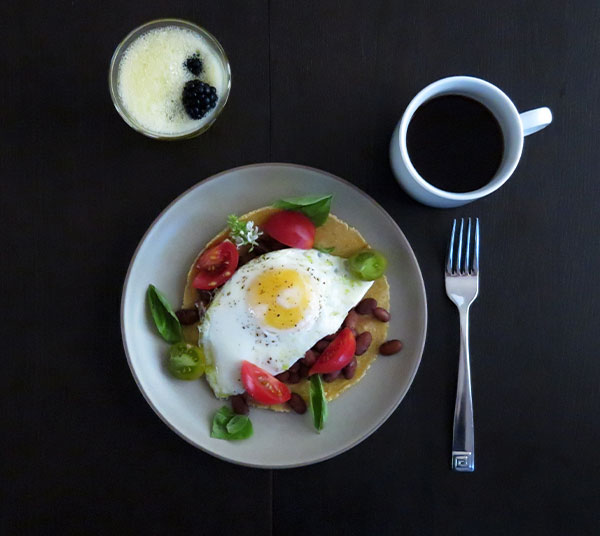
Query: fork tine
(450,258)
(468,250)
(476,251)
(459,251)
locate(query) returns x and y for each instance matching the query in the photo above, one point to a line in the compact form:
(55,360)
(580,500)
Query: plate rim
(373,427)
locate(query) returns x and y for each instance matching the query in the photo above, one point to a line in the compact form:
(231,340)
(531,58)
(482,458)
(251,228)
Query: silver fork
(462,286)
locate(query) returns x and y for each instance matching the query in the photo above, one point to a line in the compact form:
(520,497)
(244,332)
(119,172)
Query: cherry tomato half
(263,387)
(216,265)
(337,355)
(186,362)
(367,265)
(291,228)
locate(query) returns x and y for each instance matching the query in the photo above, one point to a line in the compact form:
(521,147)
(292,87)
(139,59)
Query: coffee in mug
(455,143)
(459,140)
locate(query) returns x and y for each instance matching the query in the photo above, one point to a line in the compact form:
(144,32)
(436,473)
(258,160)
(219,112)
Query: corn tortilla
(346,240)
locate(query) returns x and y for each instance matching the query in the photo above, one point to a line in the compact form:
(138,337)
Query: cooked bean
(350,369)
(381,314)
(297,403)
(246,256)
(390,347)
(295,367)
(331,376)
(309,358)
(363,341)
(267,243)
(366,306)
(294,377)
(283,376)
(188,316)
(354,332)
(239,405)
(330,337)
(303,372)
(247,397)
(321,345)
(351,319)
(206,296)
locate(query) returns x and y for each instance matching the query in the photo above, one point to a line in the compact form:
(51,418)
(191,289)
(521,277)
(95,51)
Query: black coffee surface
(455,143)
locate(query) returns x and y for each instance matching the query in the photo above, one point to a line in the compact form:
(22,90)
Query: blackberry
(194,64)
(198,98)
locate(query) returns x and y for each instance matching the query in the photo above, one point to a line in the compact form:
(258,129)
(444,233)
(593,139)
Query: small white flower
(243,234)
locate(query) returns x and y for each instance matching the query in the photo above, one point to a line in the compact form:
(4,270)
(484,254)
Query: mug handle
(535,120)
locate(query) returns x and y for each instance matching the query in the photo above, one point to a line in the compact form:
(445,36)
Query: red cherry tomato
(216,265)
(263,387)
(291,228)
(337,355)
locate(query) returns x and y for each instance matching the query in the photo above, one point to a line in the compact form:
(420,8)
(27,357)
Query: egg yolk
(279,297)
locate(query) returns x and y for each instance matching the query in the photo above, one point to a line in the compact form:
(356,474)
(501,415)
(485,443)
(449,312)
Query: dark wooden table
(320,83)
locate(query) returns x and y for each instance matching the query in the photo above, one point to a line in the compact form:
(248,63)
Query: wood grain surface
(320,83)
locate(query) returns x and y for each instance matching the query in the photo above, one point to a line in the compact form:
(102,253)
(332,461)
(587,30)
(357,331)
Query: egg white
(233,331)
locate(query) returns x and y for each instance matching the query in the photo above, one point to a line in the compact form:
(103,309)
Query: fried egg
(272,310)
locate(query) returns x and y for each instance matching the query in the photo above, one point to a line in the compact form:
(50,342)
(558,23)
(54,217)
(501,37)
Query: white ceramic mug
(514,127)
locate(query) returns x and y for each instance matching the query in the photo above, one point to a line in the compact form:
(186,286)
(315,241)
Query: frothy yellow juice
(153,73)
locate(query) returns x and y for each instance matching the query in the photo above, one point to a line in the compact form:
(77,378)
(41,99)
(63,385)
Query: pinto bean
(350,369)
(206,296)
(309,358)
(381,314)
(297,403)
(390,347)
(294,377)
(321,345)
(331,376)
(351,319)
(188,316)
(303,372)
(239,405)
(284,376)
(366,306)
(363,341)
(267,243)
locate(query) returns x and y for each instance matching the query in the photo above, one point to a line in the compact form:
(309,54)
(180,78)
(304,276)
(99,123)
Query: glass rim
(115,61)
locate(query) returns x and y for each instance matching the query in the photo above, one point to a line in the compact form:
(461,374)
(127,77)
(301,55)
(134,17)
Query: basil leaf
(227,425)
(236,423)
(316,207)
(243,428)
(219,424)
(218,432)
(164,317)
(223,415)
(318,402)
(324,250)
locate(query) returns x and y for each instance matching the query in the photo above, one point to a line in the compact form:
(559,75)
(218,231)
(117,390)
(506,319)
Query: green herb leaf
(324,250)
(227,425)
(236,423)
(245,432)
(219,424)
(318,402)
(224,415)
(316,207)
(166,322)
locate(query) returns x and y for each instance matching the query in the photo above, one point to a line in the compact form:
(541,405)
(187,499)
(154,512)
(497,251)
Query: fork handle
(463,441)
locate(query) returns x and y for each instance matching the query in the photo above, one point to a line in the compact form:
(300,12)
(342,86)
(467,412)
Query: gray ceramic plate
(163,257)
